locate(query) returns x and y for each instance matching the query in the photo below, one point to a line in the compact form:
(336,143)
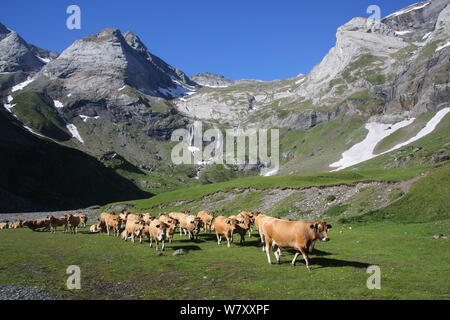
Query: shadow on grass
(314,253)
(327,262)
(192,247)
(190,241)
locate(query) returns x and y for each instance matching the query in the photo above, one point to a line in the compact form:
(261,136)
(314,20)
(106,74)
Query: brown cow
(171,226)
(259,221)
(111,222)
(83,219)
(134,227)
(207,218)
(224,226)
(242,225)
(191,225)
(148,218)
(4,225)
(16,225)
(95,228)
(72,222)
(178,216)
(124,216)
(298,235)
(57,222)
(157,231)
(37,224)
(252,216)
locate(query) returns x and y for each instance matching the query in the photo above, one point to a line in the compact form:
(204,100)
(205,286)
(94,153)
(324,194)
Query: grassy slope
(35,110)
(294,181)
(312,151)
(413,264)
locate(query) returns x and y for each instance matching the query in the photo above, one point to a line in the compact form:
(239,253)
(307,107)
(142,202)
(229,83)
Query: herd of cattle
(273,231)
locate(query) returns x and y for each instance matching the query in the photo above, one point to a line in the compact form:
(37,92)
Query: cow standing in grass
(57,222)
(224,227)
(111,221)
(37,224)
(298,235)
(207,218)
(157,232)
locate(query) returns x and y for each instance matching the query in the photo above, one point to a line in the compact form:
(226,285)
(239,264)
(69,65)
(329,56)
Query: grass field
(413,264)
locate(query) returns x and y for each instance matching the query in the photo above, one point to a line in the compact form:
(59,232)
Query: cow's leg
(229,241)
(263,244)
(132,237)
(295,258)
(305,256)
(157,244)
(219,238)
(311,246)
(276,252)
(267,245)
(151,241)
(163,245)
(107,229)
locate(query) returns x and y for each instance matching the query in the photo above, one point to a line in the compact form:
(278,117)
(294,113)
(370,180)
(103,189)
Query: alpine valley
(93,124)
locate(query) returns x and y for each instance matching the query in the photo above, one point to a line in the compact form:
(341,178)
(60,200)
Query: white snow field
(363,150)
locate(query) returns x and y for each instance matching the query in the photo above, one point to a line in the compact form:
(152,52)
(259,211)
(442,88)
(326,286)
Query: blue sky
(255,39)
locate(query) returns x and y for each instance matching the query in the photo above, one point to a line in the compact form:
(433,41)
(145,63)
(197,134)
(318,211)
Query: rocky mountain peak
(15,53)
(4,31)
(135,42)
(208,79)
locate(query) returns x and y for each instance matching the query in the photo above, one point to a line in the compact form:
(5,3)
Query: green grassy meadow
(413,264)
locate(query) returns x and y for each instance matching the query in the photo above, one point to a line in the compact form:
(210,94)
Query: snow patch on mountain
(363,150)
(22,85)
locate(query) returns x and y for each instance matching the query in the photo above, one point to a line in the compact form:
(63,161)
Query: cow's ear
(228,222)
(328,226)
(311,226)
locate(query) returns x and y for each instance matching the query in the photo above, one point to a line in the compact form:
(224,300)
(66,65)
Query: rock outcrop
(17,55)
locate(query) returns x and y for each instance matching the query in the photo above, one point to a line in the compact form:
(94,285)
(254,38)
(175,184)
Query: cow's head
(321,230)
(170,230)
(160,230)
(243,221)
(231,223)
(198,223)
